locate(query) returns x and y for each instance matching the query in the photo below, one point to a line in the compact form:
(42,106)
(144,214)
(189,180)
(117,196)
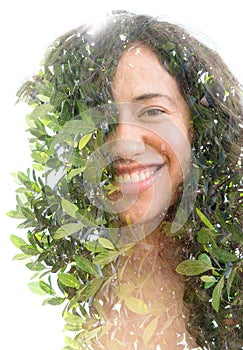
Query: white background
(27,27)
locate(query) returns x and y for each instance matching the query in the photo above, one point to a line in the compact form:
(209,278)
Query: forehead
(139,72)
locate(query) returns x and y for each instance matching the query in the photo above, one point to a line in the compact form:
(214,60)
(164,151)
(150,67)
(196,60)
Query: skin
(152,137)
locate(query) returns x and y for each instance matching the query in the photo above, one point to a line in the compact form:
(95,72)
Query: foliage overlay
(65,243)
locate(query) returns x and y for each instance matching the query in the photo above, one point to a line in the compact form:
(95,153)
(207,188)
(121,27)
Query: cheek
(173,143)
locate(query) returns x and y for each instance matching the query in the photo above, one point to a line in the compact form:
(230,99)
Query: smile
(136,180)
(134,177)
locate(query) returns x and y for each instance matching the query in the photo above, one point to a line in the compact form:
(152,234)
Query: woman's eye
(153,112)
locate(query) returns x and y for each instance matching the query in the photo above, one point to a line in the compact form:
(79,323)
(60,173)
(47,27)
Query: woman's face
(151,141)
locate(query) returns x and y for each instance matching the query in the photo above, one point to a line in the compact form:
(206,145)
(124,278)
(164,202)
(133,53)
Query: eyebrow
(149,96)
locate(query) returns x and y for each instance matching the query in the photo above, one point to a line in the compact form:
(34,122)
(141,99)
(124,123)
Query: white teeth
(148,173)
(141,177)
(134,177)
(127,178)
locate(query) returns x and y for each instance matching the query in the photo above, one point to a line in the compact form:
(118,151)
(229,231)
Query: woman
(139,126)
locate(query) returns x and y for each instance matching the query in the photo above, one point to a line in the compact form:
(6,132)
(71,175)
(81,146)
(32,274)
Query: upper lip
(126,167)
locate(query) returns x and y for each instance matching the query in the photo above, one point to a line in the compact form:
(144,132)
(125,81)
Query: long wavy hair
(81,65)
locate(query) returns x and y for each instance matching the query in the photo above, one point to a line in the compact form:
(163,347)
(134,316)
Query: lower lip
(138,187)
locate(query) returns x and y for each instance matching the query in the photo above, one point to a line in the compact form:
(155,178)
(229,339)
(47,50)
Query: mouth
(136,180)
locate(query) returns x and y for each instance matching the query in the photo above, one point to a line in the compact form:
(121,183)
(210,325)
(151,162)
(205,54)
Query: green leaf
(149,330)
(205,258)
(136,305)
(223,255)
(15,214)
(36,288)
(169,46)
(57,98)
(28,213)
(106,257)
(43,98)
(67,230)
(193,267)
(86,265)
(217,294)
(29,250)
(208,279)
(17,241)
(73,319)
(41,111)
(230,280)
(68,280)
(73,344)
(21,257)
(206,235)
(209,284)
(204,219)
(70,208)
(94,247)
(46,287)
(92,288)
(75,172)
(78,127)
(106,243)
(35,266)
(53,301)
(40,157)
(84,140)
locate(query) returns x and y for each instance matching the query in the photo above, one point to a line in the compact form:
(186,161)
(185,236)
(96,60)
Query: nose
(129,141)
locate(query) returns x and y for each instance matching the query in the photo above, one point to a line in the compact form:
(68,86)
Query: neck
(148,290)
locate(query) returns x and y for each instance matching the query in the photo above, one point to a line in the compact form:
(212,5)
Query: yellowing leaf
(36,288)
(136,305)
(84,140)
(149,330)
(69,207)
(68,280)
(106,243)
(17,241)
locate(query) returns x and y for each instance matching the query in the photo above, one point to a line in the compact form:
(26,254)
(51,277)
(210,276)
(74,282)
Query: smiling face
(151,141)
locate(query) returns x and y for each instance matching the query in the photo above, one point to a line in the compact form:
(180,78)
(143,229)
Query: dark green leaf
(223,255)
(92,288)
(206,235)
(217,294)
(169,46)
(230,280)
(35,266)
(53,301)
(86,265)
